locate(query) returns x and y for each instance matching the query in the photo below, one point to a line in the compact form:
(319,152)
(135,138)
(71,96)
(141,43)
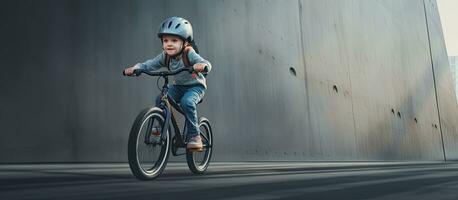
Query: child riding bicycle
(188,88)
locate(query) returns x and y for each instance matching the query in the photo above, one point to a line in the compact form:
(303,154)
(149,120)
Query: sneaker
(195,143)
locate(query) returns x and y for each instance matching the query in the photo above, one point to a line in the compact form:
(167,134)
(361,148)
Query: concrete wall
(446,103)
(376,54)
(358,64)
(63,96)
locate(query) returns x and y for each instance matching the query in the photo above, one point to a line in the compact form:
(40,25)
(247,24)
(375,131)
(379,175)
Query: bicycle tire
(135,157)
(196,165)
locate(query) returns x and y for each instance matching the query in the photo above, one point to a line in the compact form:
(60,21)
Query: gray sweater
(183,78)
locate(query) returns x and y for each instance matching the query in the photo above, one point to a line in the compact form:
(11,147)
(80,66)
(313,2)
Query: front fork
(167,115)
(177,140)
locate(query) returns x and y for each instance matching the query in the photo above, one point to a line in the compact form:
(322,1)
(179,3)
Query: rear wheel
(198,161)
(149,144)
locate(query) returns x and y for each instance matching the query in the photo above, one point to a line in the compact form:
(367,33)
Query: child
(188,89)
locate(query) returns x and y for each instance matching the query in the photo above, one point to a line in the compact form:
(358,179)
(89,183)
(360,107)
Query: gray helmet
(176,26)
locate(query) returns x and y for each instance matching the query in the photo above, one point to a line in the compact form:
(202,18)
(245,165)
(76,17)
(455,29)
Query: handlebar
(138,72)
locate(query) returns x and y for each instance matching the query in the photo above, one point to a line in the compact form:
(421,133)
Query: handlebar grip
(191,69)
(137,72)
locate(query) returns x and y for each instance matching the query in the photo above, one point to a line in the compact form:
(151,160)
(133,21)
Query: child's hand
(130,71)
(200,67)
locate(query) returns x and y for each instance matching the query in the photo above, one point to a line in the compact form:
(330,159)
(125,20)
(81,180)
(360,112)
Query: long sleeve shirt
(183,78)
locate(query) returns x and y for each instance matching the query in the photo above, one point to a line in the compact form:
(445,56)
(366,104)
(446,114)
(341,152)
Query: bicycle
(147,133)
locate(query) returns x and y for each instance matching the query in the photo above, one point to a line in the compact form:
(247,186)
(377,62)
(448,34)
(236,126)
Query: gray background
(63,98)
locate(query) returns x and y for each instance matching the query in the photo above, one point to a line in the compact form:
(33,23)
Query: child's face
(172,44)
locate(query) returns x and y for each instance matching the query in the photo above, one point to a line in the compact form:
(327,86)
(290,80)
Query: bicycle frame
(166,106)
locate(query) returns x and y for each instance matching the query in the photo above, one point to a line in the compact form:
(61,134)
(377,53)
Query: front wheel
(149,144)
(198,161)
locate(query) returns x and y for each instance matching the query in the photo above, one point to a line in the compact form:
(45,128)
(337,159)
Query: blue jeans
(188,97)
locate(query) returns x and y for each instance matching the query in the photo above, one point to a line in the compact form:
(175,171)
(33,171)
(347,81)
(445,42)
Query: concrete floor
(247,180)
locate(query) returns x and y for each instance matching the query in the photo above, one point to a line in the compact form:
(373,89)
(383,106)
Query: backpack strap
(167,61)
(184,57)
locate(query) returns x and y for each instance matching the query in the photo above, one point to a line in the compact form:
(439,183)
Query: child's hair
(194,46)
